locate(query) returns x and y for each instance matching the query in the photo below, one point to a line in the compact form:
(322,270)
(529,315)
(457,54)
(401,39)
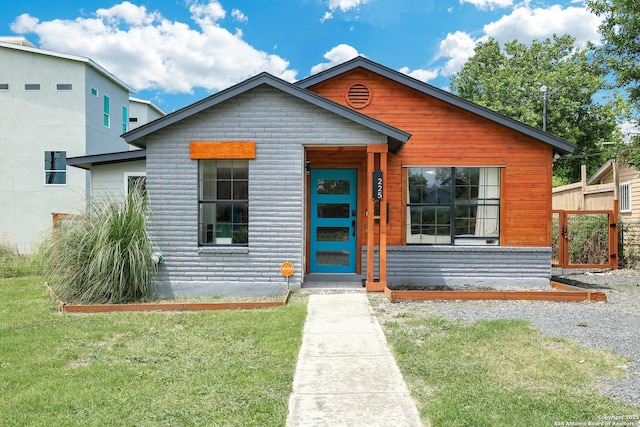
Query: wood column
(376,152)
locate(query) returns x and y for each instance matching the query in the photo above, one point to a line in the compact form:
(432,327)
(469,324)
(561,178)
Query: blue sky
(175,52)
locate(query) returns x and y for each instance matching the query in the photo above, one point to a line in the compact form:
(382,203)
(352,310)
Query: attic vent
(358,96)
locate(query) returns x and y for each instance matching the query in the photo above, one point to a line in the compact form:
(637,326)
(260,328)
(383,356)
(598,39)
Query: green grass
(231,368)
(499,373)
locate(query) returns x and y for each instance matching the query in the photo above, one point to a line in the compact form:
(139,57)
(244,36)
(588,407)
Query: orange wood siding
(444,135)
(222,150)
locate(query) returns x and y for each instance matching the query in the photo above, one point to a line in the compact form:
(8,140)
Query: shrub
(589,239)
(106,256)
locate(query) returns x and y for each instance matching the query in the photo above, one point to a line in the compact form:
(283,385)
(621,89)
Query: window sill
(223,250)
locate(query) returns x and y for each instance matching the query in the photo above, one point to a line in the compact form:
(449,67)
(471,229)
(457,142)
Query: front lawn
(231,368)
(499,372)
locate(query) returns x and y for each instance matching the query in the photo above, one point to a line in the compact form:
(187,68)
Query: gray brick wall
(281,126)
(466,265)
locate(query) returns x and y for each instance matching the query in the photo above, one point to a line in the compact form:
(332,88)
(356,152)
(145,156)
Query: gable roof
(396,137)
(601,172)
(560,145)
(27,46)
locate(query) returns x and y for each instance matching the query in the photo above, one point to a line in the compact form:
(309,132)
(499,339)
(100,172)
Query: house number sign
(378,185)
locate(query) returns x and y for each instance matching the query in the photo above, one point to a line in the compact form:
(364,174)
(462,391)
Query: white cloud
(148,51)
(345,5)
(457,47)
(236,13)
(326,16)
(527,24)
(524,24)
(337,55)
(488,4)
(420,74)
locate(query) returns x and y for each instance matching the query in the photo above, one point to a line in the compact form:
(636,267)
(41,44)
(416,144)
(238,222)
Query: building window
(64,87)
(453,206)
(133,180)
(94,92)
(223,217)
(4,86)
(32,86)
(106,118)
(125,119)
(55,167)
(625,197)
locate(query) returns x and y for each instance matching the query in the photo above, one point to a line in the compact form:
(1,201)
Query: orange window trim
(222,150)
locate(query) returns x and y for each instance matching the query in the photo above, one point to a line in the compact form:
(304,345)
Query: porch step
(332,284)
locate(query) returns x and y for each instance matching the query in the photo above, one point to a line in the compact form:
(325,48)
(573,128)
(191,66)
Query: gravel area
(613,325)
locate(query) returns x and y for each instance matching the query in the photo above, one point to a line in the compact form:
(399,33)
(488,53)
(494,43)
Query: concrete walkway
(346,375)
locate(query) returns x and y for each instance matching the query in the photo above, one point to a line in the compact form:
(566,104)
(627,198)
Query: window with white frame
(223,214)
(135,180)
(453,205)
(624,197)
(55,167)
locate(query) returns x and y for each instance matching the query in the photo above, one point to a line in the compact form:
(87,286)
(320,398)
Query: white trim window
(55,167)
(624,196)
(133,180)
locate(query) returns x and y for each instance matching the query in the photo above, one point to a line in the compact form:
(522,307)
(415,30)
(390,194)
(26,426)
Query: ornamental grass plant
(105,257)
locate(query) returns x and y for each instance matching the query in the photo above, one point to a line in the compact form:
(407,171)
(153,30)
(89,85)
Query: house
(612,181)
(53,106)
(356,173)
(113,174)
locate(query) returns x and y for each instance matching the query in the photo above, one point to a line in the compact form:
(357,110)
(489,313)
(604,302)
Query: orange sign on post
(286,268)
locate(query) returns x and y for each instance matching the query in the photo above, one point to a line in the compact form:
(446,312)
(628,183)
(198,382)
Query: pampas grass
(106,257)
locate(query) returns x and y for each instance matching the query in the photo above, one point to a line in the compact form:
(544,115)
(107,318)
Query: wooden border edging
(108,308)
(566,293)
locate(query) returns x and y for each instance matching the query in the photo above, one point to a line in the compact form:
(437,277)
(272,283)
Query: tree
(509,80)
(620,30)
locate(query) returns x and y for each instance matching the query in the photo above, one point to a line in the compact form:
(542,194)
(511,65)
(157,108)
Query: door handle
(353,227)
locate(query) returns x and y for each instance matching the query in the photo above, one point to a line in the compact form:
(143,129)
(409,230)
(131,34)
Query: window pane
(333,186)
(224,169)
(56,177)
(64,86)
(333,234)
(240,190)
(240,170)
(332,257)
(333,210)
(429,185)
(223,190)
(55,160)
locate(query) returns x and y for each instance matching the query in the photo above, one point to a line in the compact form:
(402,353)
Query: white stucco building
(54,106)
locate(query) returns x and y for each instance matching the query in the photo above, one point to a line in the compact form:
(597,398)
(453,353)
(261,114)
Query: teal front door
(333,221)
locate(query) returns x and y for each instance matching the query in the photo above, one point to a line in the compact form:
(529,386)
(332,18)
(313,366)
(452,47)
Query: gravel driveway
(613,325)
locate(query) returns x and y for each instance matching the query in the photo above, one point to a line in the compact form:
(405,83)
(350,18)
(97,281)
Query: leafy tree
(620,30)
(509,80)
